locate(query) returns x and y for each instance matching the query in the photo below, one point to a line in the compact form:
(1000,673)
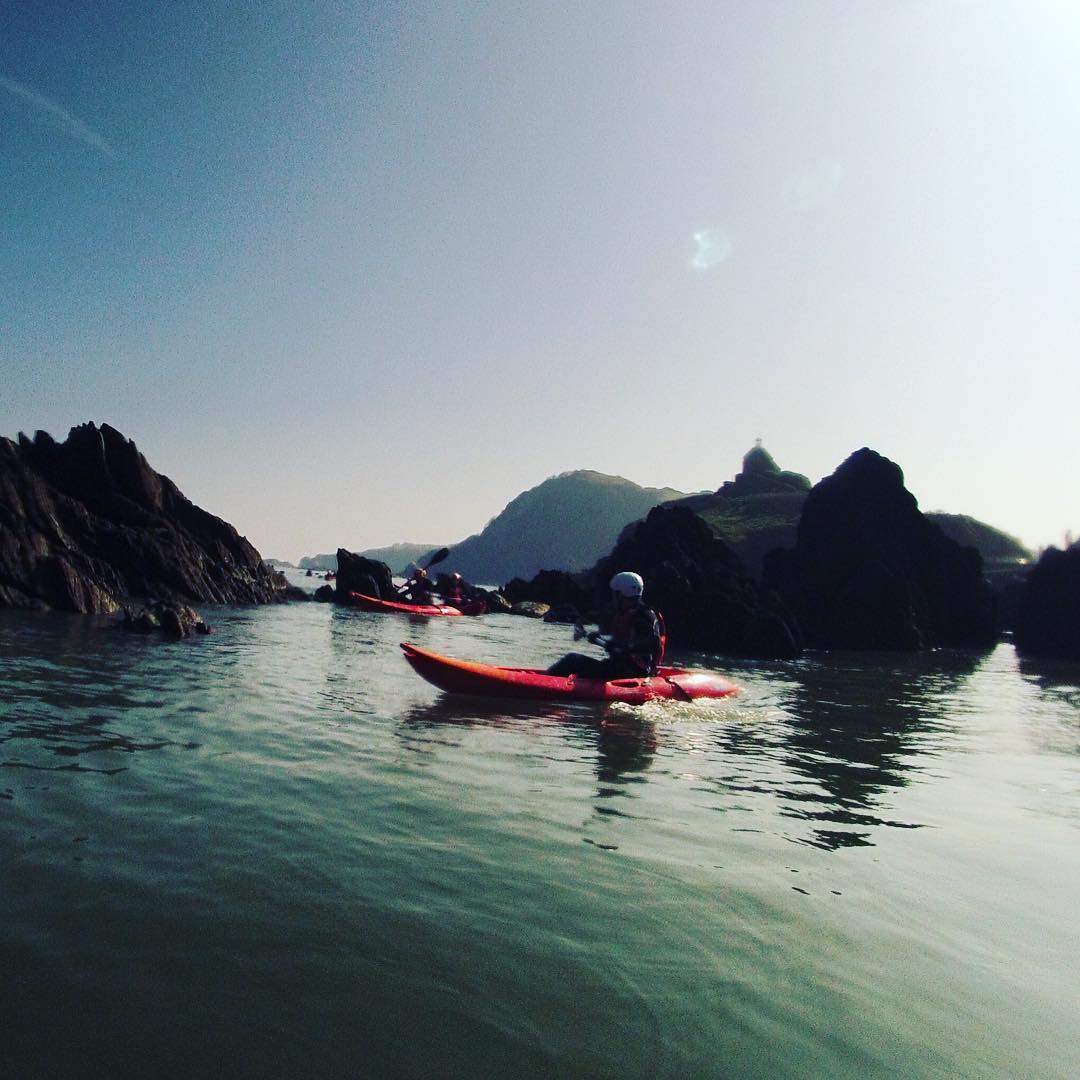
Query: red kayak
(465,677)
(373,603)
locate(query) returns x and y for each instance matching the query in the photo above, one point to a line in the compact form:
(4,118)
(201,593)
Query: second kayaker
(455,594)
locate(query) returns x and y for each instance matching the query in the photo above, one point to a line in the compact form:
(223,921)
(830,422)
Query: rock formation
(760,509)
(356,573)
(170,620)
(869,571)
(694,579)
(1048,617)
(86,525)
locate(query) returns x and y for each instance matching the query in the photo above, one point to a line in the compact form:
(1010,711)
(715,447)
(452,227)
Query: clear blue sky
(353,273)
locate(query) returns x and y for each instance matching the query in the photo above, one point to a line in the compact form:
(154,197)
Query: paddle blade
(436,558)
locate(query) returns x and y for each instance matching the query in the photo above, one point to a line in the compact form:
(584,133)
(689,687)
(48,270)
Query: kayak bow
(485,680)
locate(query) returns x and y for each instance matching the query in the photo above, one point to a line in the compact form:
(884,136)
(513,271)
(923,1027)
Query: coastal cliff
(87,525)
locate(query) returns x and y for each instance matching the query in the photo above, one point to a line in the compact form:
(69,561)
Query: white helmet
(627,584)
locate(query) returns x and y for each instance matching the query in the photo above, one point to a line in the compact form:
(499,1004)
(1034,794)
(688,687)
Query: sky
(358,273)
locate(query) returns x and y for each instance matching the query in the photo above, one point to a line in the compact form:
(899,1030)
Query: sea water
(276,852)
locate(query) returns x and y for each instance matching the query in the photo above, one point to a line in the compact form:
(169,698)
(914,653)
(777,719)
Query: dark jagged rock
(694,579)
(87,524)
(1048,617)
(1006,561)
(171,620)
(497,604)
(869,571)
(563,613)
(355,573)
(554,587)
(759,511)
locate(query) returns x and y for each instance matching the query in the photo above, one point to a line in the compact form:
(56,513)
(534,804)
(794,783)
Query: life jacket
(640,635)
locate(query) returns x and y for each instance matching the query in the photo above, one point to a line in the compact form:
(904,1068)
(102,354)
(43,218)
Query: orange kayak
(373,603)
(466,677)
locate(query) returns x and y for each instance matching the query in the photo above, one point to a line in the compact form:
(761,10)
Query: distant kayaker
(635,644)
(455,594)
(418,588)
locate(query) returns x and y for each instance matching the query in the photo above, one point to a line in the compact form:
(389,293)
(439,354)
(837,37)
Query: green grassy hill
(566,523)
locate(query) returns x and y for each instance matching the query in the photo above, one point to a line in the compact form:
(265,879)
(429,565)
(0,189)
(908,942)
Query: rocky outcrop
(759,511)
(530,609)
(869,571)
(694,579)
(555,588)
(1048,616)
(356,573)
(169,620)
(494,601)
(86,525)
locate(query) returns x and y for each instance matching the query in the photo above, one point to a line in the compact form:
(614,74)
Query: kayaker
(634,645)
(455,594)
(418,588)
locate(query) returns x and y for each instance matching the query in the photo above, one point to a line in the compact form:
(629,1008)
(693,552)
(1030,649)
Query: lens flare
(713,248)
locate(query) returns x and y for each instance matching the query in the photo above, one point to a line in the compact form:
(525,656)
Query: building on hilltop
(762,476)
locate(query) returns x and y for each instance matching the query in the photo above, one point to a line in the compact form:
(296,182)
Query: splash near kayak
(373,603)
(485,680)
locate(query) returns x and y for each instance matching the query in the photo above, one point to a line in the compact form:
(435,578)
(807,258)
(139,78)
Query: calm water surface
(276,852)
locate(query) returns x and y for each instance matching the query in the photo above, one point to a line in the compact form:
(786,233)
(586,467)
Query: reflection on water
(831,738)
(624,742)
(860,727)
(71,738)
(69,691)
(1059,680)
(626,748)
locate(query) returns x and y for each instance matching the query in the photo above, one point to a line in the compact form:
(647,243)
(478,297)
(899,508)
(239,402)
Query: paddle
(680,691)
(594,636)
(437,558)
